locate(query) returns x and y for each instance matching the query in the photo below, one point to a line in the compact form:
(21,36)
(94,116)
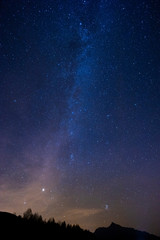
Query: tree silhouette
(28,213)
(32,226)
(34,218)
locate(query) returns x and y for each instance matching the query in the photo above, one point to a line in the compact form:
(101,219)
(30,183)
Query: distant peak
(114,225)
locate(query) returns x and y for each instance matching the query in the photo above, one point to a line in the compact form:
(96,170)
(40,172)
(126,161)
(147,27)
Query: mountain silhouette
(32,226)
(116,232)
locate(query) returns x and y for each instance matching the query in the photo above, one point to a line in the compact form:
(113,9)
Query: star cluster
(79,111)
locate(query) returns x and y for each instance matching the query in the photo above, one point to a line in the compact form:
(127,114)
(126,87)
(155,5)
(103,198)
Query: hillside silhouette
(32,226)
(115,232)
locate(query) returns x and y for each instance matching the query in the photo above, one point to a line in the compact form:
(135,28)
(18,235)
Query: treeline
(32,226)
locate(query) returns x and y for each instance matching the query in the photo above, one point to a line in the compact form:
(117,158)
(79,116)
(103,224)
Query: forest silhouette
(32,226)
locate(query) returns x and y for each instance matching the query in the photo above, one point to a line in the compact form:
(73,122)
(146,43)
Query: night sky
(80,111)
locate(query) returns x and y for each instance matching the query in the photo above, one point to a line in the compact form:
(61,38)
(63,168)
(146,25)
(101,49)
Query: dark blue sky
(80,110)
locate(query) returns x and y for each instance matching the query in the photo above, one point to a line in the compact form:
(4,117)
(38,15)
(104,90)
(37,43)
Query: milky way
(79,111)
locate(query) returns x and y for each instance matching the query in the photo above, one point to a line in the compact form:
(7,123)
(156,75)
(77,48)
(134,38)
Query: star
(106,207)
(79,110)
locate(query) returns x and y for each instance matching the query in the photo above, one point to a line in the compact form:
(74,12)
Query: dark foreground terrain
(32,226)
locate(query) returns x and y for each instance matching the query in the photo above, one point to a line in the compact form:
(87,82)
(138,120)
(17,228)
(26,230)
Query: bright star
(106,207)
(43,190)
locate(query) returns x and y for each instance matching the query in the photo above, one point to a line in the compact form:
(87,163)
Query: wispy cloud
(78,213)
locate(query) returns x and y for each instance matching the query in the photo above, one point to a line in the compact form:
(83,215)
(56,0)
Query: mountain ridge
(116,231)
(33,225)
